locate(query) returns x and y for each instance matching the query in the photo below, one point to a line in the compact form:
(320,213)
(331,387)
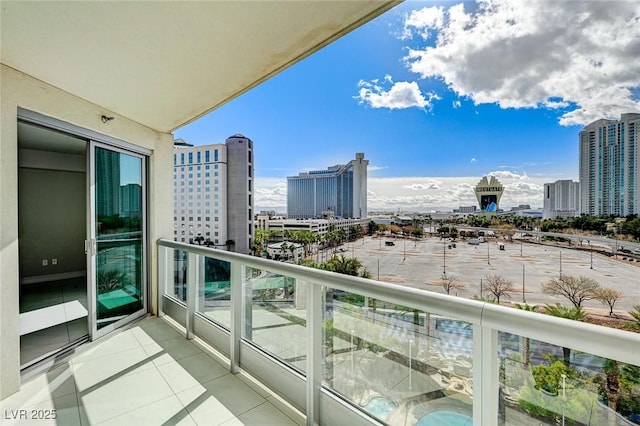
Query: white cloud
(423,186)
(473,160)
(580,57)
(504,174)
(456,104)
(422,21)
(399,95)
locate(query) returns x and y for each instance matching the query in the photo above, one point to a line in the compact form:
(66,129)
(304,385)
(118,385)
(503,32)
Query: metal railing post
(485,375)
(237,270)
(163,276)
(315,308)
(193,284)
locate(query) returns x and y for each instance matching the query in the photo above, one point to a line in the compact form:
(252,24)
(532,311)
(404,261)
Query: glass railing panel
(403,366)
(214,296)
(275,315)
(545,384)
(180,268)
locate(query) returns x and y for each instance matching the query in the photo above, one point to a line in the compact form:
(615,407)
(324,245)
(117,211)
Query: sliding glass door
(117,252)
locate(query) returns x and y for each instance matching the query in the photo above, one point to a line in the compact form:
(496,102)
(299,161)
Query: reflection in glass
(119,235)
(400,365)
(275,315)
(538,383)
(214,300)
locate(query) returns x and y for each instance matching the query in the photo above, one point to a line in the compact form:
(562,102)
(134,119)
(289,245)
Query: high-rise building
(561,199)
(338,191)
(213,194)
(609,176)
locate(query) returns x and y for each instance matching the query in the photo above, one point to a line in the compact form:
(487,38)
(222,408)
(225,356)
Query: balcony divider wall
(348,350)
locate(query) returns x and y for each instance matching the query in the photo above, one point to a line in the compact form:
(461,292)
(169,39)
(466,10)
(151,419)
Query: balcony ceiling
(164,64)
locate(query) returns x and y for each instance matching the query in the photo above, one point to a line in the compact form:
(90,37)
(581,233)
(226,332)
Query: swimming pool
(445,418)
(380,407)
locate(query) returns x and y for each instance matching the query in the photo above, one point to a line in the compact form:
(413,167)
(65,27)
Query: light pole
(488,261)
(521,237)
(560,263)
(523,299)
(444,259)
(591,253)
(404,248)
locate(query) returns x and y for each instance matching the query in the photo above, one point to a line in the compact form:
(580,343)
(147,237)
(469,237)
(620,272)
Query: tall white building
(213,194)
(609,175)
(339,191)
(561,199)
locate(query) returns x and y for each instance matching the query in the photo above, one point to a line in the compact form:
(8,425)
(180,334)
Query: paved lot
(420,264)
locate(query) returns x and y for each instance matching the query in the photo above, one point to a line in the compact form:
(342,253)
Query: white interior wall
(18,90)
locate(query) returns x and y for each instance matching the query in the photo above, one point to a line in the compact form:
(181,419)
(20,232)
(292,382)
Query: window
(249,184)
(249,152)
(198,157)
(207,156)
(182,158)
(215,155)
(249,171)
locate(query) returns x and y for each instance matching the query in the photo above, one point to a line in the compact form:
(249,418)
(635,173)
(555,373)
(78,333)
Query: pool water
(445,418)
(380,407)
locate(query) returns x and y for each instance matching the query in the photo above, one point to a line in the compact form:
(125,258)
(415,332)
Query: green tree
(576,313)
(635,314)
(346,265)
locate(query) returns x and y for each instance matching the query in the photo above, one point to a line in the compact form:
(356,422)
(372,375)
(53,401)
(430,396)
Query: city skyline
(440,94)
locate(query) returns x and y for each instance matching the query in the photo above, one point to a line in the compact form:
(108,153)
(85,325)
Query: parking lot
(528,265)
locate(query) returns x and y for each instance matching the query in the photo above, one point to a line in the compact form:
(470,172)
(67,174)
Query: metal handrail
(605,342)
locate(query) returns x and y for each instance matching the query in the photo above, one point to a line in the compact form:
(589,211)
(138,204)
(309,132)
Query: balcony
(349,350)
(345,350)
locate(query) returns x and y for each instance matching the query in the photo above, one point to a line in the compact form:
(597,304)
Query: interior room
(52,205)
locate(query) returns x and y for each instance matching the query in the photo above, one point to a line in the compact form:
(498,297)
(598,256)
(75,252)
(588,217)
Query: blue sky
(438,95)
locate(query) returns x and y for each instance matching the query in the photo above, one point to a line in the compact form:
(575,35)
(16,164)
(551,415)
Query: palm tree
(635,313)
(576,313)
(526,343)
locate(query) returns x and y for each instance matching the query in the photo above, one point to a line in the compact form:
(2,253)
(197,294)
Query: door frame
(112,143)
(92,290)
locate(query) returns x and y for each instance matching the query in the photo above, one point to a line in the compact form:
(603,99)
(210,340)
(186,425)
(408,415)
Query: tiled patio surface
(146,374)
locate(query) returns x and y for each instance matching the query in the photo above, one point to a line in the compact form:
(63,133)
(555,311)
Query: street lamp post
(521,237)
(488,261)
(591,253)
(523,299)
(444,258)
(561,264)
(404,248)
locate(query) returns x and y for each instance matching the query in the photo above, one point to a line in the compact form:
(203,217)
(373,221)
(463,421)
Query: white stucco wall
(20,90)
